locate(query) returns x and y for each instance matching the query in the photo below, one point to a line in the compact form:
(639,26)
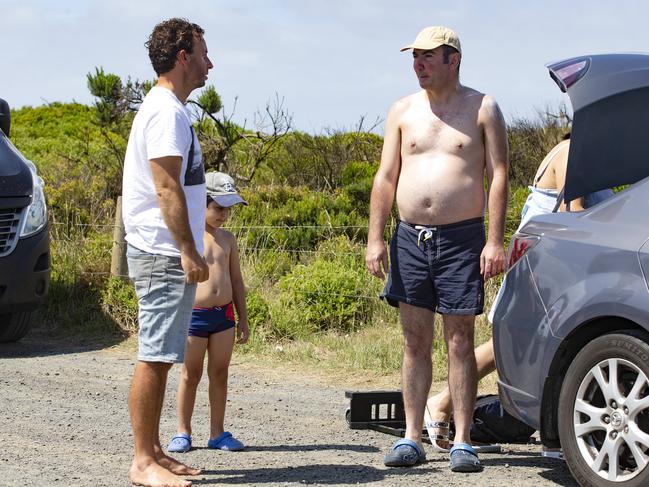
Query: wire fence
(243,246)
(245,250)
(82,225)
(229,227)
(258,288)
(249,252)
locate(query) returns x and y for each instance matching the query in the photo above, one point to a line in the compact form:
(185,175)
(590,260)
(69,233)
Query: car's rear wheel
(14,326)
(604,412)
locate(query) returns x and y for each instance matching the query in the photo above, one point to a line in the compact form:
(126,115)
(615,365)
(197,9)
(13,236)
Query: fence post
(118,267)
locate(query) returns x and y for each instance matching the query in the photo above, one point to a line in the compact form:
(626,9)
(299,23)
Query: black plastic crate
(383,411)
(367,409)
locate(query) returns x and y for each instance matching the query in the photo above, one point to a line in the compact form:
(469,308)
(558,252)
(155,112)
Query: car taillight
(519,246)
(567,73)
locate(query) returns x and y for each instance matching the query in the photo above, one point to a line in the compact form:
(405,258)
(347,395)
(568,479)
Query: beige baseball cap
(435,36)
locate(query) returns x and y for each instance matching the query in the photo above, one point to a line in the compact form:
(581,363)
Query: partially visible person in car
(546,190)
(549,182)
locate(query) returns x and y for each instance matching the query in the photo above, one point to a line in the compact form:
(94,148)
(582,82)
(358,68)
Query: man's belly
(439,195)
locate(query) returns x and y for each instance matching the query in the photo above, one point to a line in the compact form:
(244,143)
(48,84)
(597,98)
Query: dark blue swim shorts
(207,321)
(437,267)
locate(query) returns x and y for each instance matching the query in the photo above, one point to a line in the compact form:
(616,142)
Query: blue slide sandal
(404,453)
(180,443)
(464,458)
(225,441)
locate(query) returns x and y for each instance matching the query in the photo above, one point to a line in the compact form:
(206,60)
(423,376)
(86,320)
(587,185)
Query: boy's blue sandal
(404,453)
(225,441)
(464,458)
(180,443)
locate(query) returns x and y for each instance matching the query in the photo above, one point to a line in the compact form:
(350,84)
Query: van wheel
(604,412)
(14,326)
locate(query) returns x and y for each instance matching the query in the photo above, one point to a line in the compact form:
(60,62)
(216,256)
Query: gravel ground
(65,422)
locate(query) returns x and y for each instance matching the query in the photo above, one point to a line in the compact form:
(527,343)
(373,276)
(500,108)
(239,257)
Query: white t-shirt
(161,128)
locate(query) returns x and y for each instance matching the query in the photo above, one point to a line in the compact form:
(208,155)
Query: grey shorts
(437,267)
(165,304)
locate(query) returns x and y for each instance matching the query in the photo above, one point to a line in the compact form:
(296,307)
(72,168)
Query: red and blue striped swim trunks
(207,321)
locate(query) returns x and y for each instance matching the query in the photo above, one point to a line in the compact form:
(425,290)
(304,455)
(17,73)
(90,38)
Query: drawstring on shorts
(427,232)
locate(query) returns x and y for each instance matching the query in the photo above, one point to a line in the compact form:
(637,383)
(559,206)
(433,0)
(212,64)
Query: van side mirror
(5,117)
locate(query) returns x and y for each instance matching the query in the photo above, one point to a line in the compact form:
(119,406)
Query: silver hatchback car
(571,327)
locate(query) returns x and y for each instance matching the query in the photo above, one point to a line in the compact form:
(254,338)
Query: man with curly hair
(164,217)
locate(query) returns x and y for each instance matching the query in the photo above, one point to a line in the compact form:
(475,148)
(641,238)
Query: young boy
(212,326)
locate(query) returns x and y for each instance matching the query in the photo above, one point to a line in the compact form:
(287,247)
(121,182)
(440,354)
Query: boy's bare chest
(218,254)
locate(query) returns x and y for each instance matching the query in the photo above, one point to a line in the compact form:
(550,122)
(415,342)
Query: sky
(332,61)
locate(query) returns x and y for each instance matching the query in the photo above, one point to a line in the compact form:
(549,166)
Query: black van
(24,237)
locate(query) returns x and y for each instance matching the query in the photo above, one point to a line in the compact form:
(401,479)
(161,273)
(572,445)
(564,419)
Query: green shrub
(295,218)
(328,294)
(517,197)
(344,251)
(356,171)
(357,180)
(119,301)
(530,140)
(258,311)
(52,131)
(319,161)
(268,266)
(80,164)
(80,264)
(287,322)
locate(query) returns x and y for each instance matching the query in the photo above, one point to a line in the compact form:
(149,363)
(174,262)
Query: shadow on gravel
(554,469)
(85,335)
(74,318)
(34,345)
(311,474)
(303,448)
(560,476)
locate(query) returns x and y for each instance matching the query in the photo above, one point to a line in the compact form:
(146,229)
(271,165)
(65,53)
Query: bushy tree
(232,148)
(226,146)
(318,161)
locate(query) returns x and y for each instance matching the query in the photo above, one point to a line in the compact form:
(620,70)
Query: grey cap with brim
(228,200)
(220,187)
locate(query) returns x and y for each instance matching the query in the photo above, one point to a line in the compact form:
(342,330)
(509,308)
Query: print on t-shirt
(195,172)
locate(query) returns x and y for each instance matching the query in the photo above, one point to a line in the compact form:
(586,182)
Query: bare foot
(439,406)
(175,466)
(436,420)
(154,475)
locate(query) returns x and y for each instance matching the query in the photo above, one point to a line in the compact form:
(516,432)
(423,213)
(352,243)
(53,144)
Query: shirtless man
(439,142)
